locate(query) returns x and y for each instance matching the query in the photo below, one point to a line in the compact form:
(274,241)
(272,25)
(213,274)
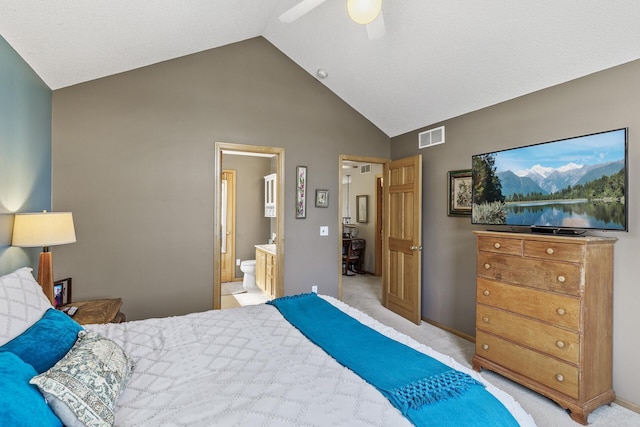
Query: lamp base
(45,276)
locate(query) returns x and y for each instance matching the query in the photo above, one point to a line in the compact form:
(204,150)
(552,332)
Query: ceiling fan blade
(376,29)
(300,9)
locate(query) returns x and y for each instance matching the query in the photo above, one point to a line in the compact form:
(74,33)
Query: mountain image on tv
(548,180)
(572,183)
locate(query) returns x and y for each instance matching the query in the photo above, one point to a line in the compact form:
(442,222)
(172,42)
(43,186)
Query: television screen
(571,184)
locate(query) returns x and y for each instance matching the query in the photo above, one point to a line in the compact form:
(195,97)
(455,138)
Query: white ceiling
(438,59)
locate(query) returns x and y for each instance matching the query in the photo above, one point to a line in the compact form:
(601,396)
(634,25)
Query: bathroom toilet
(248,267)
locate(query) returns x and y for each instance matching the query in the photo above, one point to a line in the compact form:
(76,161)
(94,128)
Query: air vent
(365,168)
(431,137)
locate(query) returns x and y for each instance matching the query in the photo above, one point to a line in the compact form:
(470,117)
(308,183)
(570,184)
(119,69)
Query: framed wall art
(301,191)
(460,198)
(322,198)
(362,208)
(62,291)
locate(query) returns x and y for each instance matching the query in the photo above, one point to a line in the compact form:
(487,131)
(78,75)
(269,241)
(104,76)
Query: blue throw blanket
(425,390)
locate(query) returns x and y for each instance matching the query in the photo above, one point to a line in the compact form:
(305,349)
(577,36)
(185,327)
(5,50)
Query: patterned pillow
(22,303)
(83,387)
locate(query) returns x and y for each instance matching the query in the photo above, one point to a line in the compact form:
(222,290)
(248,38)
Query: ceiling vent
(365,168)
(431,137)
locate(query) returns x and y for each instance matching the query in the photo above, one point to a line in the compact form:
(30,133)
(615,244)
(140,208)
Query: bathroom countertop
(271,248)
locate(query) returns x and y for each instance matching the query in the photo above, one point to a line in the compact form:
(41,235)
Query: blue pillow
(46,341)
(21,404)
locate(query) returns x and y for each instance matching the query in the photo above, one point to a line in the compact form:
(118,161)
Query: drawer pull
(485,319)
(487,266)
(485,346)
(560,344)
(559,377)
(561,311)
(486,293)
(550,251)
(496,245)
(561,279)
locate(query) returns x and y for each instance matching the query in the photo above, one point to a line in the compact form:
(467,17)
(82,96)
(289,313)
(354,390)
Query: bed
(237,367)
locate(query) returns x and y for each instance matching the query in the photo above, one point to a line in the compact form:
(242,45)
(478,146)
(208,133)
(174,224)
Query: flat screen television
(565,186)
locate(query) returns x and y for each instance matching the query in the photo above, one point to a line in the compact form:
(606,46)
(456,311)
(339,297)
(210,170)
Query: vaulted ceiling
(437,60)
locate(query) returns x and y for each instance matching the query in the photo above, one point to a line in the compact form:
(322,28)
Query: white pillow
(82,388)
(22,303)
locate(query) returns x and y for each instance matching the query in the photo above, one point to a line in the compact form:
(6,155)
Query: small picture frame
(301,191)
(62,292)
(362,208)
(322,198)
(460,197)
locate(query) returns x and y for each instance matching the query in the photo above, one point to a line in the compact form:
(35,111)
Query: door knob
(415,248)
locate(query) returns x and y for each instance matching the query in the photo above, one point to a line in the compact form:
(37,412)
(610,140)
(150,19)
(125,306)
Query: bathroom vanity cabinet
(270,196)
(266,262)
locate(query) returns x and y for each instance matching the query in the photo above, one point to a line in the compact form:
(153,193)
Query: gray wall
(133,159)
(25,152)
(252,228)
(602,101)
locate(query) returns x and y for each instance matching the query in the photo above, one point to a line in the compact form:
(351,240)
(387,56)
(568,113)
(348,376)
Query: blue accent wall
(25,151)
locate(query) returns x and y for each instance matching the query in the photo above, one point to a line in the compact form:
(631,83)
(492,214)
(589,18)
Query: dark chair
(353,257)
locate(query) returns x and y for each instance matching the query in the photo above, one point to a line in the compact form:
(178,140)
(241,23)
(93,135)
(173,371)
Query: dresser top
(547,237)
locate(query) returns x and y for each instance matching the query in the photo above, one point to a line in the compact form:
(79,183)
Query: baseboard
(629,405)
(450,330)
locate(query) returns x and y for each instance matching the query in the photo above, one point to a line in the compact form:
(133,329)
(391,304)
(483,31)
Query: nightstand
(98,311)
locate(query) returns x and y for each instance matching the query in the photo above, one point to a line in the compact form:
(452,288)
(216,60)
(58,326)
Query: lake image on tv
(573,183)
(572,214)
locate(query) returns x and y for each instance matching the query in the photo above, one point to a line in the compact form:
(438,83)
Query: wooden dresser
(544,315)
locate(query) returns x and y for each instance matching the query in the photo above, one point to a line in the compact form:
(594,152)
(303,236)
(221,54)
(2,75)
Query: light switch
(324,230)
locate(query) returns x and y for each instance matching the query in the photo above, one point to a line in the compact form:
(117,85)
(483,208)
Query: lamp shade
(364,11)
(43,229)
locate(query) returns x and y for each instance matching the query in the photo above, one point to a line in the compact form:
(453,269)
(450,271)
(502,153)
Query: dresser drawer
(554,251)
(545,338)
(548,275)
(539,367)
(500,245)
(553,308)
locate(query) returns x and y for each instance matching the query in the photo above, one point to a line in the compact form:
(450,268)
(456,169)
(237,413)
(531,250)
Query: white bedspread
(250,367)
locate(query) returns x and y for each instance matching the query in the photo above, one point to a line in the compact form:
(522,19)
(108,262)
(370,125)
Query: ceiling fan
(365,12)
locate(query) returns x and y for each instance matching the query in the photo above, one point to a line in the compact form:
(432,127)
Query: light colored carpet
(364,292)
(232,288)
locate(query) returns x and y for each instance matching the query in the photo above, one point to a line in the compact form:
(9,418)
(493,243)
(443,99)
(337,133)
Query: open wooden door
(228,226)
(402,258)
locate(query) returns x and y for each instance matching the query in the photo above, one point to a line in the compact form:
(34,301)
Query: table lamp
(43,229)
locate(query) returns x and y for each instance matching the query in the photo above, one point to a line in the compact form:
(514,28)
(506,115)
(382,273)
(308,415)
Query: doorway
(401,224)
(277,154)
(359,177)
